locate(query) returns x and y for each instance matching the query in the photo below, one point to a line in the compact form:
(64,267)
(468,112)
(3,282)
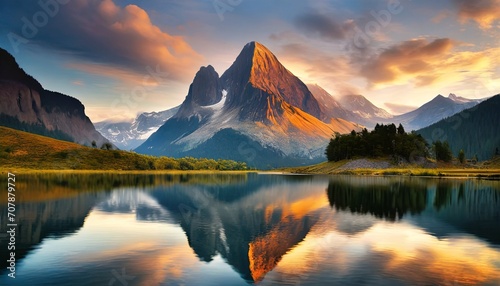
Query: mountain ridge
(433,111)
(130,134)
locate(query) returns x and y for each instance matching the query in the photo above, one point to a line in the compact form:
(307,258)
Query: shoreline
(131,172)
(339,168)
(434,173)
(325,168)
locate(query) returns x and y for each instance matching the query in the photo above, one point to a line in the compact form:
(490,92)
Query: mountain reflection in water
(248,228)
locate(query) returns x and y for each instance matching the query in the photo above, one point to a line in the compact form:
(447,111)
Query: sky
(123,57)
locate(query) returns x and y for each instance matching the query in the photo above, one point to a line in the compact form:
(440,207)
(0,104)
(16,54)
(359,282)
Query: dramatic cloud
(415,57)
(421,62)
(326,27)
(121,39)
(484,12)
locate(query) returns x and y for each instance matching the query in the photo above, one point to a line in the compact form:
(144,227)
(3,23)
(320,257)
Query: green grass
(321,168)
(26,151)
(490,169)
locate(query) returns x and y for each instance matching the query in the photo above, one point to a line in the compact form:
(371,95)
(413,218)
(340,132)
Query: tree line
(383,140)
(387,140)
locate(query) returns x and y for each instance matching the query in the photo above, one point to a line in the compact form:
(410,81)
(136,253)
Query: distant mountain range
(354,108)
(27,106)
(129,135)
(475,130)
(438,108)
(257,112)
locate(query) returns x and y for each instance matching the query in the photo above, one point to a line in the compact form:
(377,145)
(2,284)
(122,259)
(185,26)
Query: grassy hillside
(24,150)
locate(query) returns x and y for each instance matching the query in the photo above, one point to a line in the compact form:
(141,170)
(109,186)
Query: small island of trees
(383,140)
(387,140)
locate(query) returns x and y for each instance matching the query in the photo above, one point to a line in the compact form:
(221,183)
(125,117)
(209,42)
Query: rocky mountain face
(129,135)
(258,81)
(438,108)
(257,112)
(27,106)
(206,90)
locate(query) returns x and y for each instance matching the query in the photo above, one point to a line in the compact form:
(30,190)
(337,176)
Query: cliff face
(25,105)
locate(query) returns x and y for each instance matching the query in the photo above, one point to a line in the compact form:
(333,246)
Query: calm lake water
(242,229)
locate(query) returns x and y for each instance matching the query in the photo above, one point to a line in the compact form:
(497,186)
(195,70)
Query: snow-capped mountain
(330,107)
(355,108)
(129,135)
(365,112)
(459,99)
(257,112)
(438,108)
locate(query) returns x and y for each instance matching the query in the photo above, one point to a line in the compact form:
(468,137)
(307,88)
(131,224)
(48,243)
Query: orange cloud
(483,12)
(422,62)
(124,39)
(409,57)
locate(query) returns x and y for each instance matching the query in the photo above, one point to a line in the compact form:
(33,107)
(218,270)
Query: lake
(240,229)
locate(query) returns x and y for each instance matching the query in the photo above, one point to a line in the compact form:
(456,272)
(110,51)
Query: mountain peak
(256,57)
(258,78)
(255,46)
(208,68)
(206,88)
(459,99)
(10,70)
(439,99)
(264,64)
(364,108)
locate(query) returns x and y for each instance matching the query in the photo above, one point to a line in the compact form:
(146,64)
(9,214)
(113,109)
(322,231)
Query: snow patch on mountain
(146,135)
(129,135)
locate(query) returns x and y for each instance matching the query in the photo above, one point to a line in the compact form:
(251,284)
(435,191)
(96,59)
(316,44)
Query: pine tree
(401,130)
(461,156)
